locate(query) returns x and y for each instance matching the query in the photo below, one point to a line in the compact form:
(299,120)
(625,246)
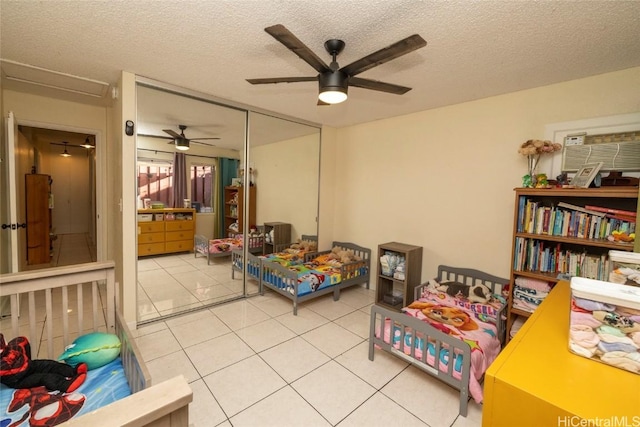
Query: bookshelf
(234,208)
(397,292)
(555,235)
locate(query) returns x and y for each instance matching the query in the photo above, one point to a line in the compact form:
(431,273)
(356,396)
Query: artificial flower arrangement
(533,148)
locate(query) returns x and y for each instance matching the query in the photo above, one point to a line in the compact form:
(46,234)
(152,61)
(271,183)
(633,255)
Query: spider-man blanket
(38,407)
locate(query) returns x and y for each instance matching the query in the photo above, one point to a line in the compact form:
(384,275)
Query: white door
(10,227)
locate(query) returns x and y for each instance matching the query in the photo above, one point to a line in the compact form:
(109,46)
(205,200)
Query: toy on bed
(346,264)
(453,330)
(48,307)
(18,370)
(223,247)
(286,254)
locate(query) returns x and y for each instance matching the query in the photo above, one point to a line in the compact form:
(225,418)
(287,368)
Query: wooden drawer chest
(168,235)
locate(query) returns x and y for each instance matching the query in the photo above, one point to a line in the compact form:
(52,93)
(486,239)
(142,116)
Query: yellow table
(537,382)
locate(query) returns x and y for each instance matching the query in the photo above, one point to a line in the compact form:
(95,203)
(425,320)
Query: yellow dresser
(536,381)
(171,230)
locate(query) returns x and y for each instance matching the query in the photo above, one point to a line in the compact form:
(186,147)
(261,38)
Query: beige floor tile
(379,410)
(167,367)
(333,391)
(213,355)
(307,358)
(264,335)
(204,410)
(332,339)
(378,372)
(429,399)
(285,408)
(240,314)
(327,307)
(304,321)
(356,322)
(199,330)
(157,344)
(243,384)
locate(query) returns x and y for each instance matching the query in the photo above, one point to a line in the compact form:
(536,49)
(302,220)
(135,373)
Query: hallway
(69,249)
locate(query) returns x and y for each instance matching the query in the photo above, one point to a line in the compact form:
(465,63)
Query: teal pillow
(95,349)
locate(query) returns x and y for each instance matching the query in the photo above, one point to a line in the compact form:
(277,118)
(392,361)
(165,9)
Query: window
(202,184)
(155,182)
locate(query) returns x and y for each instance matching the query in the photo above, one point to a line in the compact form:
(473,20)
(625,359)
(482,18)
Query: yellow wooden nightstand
(537,382)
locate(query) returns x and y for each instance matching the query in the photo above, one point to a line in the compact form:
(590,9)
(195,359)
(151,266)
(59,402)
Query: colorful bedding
(459,322)
(228,244)
(319,273)
(287,257)
(38,407)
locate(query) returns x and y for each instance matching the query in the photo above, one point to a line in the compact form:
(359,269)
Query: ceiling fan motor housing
(333,80)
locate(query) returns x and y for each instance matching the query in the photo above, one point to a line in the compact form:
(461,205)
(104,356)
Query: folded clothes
(523,305)
(614,339)
(584,336)
(590,305)
(610,330)
(581,351)
(580,318)
(635,337)
(607,347)
(539,285)
(622,360)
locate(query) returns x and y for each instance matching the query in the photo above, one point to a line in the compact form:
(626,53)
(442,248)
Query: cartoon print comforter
(228,244)
(39,407)
(457,322)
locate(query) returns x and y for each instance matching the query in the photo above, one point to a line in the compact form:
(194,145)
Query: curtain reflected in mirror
(248,186)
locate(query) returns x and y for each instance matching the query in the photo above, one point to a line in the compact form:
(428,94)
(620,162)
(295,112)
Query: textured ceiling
(475,49)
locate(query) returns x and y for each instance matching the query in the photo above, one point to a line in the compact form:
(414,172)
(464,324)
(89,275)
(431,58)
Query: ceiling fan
(180,140)
(333,80)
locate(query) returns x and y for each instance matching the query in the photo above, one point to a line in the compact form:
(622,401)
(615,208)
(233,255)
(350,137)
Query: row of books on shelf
(568,220)
(545,257)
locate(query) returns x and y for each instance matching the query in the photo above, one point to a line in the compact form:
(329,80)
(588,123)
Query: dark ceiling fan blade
(173,133)
(155,136)
(200,139)
(286,37)
(282,80)
(379,86)
(193,141)
(386,54)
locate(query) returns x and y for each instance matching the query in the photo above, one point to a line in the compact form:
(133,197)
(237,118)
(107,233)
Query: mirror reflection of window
(155,181)
(202,185)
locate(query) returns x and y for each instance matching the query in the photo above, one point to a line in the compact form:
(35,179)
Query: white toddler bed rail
(80,299)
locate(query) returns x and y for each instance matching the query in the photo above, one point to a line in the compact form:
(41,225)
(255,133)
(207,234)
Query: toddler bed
(451,337)
(49,307)
(289,253)
(318,275)
(223,247)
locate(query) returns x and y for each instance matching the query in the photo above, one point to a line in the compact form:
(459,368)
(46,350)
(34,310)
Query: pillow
(436,292)
(95,349)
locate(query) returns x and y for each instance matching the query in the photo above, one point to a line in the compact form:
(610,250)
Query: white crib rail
(25,288)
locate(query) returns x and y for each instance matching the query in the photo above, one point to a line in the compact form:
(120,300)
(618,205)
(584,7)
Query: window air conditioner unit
(618,152)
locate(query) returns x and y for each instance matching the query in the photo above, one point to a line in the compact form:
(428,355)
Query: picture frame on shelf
(585,176)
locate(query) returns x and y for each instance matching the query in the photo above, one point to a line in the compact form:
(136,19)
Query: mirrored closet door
(218,186)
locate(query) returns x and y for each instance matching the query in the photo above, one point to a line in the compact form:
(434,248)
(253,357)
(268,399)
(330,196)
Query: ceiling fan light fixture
(333,87)
(182,144)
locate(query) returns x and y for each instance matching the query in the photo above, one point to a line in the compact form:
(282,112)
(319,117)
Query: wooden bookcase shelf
(538,252)
(234,208)
(395,293)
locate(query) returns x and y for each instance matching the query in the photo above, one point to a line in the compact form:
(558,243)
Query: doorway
(67,161)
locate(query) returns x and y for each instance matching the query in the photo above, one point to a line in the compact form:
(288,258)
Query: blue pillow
(95,349)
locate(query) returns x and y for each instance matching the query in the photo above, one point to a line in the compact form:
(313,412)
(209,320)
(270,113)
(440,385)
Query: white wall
(444,178)
(71,192)
(287,183)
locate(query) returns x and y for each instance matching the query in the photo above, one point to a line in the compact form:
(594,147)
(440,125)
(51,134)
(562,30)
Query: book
(580,209)
(620,212)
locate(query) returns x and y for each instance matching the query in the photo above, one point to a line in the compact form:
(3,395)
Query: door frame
(100,184)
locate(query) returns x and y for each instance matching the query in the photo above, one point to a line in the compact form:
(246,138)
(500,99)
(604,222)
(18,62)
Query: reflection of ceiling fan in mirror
(180,140)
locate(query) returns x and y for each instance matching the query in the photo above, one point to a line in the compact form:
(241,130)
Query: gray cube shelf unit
(395,293)
(281,236)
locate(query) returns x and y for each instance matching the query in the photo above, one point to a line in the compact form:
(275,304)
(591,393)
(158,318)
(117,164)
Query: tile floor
(251,362)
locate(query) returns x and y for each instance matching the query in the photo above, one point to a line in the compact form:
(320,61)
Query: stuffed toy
(477,292)
(19,370)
